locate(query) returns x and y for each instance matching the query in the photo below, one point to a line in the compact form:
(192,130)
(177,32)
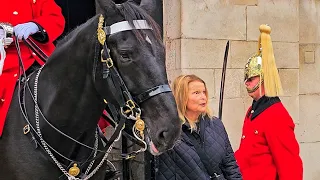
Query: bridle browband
(129,106)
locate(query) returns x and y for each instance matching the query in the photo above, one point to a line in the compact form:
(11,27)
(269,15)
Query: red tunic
(45,13)
(103,123)
(269,149)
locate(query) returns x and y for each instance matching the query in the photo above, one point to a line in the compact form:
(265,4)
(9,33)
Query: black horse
(58,107)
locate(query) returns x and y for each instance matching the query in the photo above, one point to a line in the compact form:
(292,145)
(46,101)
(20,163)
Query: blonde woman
(203,151)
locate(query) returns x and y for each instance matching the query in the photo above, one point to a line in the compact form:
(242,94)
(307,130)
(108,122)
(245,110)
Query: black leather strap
(33,46)
(152,92)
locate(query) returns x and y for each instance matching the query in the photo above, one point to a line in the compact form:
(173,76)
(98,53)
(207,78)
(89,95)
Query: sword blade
(223,77)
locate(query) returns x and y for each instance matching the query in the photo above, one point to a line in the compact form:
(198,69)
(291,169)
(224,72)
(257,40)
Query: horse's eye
(125,55)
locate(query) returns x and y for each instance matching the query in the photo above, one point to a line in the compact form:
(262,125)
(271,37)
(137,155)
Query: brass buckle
(130,104)
(129,107)
(26,129)
(130,157)
(108,61)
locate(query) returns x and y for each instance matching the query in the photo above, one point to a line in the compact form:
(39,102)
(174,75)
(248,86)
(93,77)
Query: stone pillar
(172,36)
(309,87)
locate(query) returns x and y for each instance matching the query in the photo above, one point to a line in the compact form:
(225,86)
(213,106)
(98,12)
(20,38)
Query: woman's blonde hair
(181,91)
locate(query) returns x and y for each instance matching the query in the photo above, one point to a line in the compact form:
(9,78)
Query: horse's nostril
(163,136)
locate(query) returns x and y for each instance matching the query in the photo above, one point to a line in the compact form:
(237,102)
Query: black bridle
(129,106)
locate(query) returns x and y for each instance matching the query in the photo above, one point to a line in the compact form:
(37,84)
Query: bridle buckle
(26,129)
(130,104)
(108,61)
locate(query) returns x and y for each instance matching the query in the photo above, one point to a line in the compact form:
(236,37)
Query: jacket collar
(261,105)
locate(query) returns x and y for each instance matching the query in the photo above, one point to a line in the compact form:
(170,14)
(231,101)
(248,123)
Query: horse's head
(139,56)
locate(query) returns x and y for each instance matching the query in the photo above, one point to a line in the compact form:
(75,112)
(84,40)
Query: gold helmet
(263,64)
(253,67)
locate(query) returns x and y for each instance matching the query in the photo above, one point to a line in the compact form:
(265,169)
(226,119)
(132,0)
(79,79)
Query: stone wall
(196,32)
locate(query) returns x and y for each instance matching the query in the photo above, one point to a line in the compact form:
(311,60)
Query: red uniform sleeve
(49,16)
(103,123)
(285,149)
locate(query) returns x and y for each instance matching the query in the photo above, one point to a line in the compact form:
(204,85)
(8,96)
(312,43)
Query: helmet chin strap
(251,90)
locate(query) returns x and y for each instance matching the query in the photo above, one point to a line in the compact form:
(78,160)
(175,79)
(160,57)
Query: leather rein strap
(35,49)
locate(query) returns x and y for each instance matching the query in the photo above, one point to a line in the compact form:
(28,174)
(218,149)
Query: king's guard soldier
(268,149)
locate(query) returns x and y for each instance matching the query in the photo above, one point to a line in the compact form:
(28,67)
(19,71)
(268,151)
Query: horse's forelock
(103,6)
(131,12)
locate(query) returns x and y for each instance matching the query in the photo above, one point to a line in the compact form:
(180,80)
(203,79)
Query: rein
(129,108)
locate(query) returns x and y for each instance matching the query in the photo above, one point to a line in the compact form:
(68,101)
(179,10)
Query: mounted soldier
(40,19)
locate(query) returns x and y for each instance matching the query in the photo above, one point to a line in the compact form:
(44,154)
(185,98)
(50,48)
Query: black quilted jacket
(183,161)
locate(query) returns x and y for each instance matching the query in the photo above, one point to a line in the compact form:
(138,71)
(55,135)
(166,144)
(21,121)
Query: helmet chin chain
(251,90)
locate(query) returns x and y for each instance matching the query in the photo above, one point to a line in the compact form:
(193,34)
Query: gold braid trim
(100,32)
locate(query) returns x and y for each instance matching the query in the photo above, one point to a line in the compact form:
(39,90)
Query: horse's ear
(149,6)
(106,7)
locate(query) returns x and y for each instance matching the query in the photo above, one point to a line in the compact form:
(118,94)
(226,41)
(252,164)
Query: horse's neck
(68,87)
(67,83)
(67,95)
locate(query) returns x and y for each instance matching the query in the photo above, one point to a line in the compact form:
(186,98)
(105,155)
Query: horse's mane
(72,36)
(130,12)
